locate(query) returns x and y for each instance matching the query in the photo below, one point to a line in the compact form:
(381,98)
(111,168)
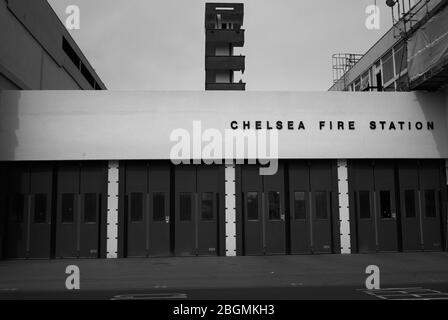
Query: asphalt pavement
(416,276)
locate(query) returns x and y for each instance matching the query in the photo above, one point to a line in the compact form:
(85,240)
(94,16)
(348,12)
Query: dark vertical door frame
(311,208)
(240,211)
(398,206)
(122,211)
(172,213)
(335,219)
(147,209)
(420,206)
(78,212)
(444,203)
(352,205)
(287,208)
(221,210)
(375,208)
(263,215)
(196,216)
(54,211)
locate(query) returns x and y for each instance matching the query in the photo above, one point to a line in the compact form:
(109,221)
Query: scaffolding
(342,62)
(407,15)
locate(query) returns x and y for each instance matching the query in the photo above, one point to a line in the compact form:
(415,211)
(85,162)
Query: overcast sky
(159,44)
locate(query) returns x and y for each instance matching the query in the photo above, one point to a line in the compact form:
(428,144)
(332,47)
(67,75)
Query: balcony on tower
(234,63)
(223,32)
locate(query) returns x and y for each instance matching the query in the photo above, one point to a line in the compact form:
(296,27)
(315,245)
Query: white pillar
(112,210)
(344,215)
(230,210)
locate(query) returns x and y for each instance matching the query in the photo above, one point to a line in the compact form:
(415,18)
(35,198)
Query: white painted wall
(344,213)
(108,125)
(112,209)
(230,199)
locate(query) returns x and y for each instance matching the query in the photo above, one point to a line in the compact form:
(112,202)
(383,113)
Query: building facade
(38,53)
(354,175)
(88,174)
(412,55)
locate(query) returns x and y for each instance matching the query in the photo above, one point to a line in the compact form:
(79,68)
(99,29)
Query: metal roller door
(147,189)
(81,205)
(310,196)
(28,230)
(199,207)
(263,211)
(372,186)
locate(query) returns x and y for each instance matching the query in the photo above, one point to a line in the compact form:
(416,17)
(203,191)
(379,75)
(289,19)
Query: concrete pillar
(230,210)
(344,215)
(112,210)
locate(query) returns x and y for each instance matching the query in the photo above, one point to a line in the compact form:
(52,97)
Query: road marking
(413,293)
(8,289)
(152,296)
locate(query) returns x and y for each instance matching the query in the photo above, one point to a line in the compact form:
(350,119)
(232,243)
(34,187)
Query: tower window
(226,26)
(222,77)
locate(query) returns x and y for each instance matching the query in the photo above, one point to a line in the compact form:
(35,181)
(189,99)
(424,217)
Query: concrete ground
(272,277)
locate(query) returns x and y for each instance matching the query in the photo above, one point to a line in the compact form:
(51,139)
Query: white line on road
(152,296)
(413,293)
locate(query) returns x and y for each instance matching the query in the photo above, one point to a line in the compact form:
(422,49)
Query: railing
(411,17)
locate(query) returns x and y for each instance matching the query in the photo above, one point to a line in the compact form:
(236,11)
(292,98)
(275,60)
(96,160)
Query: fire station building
(88,173)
